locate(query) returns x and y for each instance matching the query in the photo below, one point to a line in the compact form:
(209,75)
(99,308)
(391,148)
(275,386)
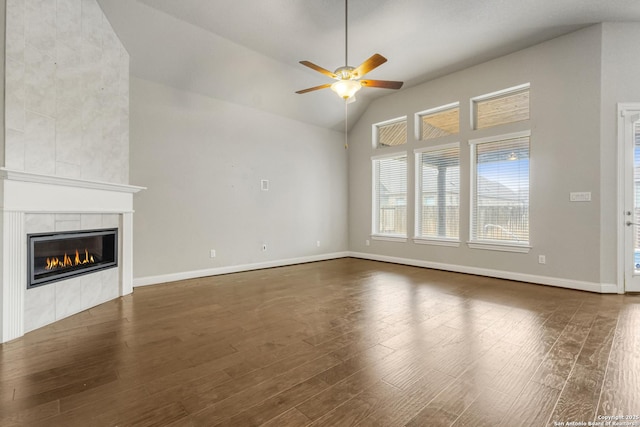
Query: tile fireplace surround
(59,201)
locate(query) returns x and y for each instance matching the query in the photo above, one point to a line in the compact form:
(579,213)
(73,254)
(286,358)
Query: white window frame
(374,131)
(375,234)
(524,247)
(418,120)
(496,94)
(440,241)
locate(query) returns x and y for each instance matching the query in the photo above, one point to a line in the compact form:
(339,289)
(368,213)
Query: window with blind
(390,196)
(499,108)
(500,193)
(390,133)
(439,122)
(438,190)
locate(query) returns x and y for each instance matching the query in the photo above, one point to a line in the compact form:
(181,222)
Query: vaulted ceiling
(247,51)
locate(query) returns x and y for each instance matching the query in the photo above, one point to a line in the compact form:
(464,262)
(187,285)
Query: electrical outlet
(212,254)
(542,259)
(318,244)
(367,242)
(264,247)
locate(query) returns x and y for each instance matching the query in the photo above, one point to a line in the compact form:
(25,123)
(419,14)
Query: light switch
(580,196)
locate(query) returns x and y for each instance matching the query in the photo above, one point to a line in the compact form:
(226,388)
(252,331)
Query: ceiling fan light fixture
(348,78)
(346,88)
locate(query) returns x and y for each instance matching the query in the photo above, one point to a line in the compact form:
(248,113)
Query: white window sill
(389,238)
(500,246)
(436,242)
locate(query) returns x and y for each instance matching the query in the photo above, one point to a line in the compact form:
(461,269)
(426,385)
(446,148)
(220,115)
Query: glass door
(632,201)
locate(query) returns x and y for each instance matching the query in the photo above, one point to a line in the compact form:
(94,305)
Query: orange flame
(53,263)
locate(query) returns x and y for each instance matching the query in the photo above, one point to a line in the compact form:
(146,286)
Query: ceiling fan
(349,79)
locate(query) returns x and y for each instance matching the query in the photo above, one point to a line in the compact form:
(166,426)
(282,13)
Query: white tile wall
(67,91)
(107,290)
(91,289)
(39,307)
(92,21)
(68,170)
(69,23)
(14,149)
(15,30)
(14,95)
(91,222)
(39,81)
(39,144)
(40,25)
(39,223)
(66,298)
(69,136)
(110,221)
(67,222)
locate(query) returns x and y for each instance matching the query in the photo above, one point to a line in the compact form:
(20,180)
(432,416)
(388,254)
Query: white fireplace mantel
(31,192)
(22,193)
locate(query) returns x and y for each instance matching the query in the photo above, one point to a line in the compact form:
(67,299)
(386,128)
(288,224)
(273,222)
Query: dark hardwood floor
(335,343)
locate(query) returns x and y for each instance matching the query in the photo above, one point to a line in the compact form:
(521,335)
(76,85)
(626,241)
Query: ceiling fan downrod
(346,33)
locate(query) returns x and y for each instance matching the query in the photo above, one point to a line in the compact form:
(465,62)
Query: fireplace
(61,255)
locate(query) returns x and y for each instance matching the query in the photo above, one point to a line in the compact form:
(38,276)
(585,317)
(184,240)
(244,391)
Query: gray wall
(565,78)
(203,161)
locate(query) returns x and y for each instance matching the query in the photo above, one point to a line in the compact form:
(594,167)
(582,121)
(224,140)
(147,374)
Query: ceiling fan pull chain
(346,127)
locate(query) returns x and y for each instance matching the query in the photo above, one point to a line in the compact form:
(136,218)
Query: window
(500,190)
(390,133)
(441,121)
(390,196)
(507,106)
(438,190)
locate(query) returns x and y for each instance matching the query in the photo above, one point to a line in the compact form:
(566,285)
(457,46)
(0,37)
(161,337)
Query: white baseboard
(173,277)
(602,288)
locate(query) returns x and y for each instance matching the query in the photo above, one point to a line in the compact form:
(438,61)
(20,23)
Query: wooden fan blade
(385,84)
(368,65)
(311,89)
(319,69)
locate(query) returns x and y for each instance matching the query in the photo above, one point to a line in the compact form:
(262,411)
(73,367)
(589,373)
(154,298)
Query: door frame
(623,109)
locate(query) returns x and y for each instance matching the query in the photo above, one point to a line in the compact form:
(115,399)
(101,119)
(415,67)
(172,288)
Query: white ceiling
(247,51)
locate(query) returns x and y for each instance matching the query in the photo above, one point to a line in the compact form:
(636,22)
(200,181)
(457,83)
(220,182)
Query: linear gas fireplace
(58,256)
